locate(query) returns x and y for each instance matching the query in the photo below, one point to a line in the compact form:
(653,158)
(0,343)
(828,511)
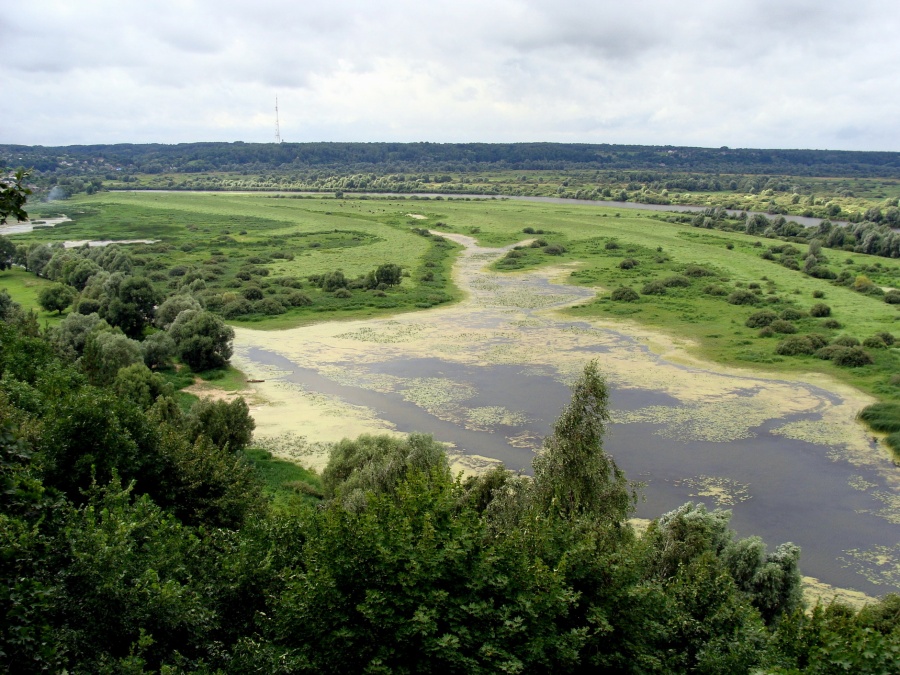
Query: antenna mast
(277,126)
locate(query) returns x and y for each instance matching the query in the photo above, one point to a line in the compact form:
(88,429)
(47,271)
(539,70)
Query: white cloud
(747,73)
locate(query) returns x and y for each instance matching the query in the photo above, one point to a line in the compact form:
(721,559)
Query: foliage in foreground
(134,539)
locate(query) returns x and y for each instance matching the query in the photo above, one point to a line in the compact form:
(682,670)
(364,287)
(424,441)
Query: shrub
(829,351)
(819,310)
(821,294)
(782,326)
(611,245)
(554,249)
(795,345)
(624,294)
(298,299)
(741,297)
(677,281)
(628,264)
(761,319)
(753,285)
(791,314)
(833,324)
(817,340)
(654,288)
(252,293)
(236,308)
(344,293)
(528,230)
(845,341)
(713,289)
(697,271)
(887,338)
(892,297)
(766,332)
(854,357)
(874,342)
(268,306)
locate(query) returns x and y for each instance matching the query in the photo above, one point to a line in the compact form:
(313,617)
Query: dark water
(796,492)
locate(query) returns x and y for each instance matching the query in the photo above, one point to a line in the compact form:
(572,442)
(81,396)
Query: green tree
(389,274)
(56,297)
(8,253)
(228,425)
(13,196)
(107,351)
(202,340)
(573,476)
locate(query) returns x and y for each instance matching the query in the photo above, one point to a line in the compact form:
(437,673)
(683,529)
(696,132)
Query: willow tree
(573,476)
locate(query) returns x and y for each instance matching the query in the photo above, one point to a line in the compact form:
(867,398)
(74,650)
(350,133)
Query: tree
(56,297)
(167,312)
(8,253)
(202,340)
(13,196)
(107,351)
(573,476)
(37,258)
(389,274)
(133,305)
(227,425)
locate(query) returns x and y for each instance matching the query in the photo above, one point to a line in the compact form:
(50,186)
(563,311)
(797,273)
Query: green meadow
(284,240)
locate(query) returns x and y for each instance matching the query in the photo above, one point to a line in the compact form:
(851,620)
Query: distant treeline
(455,157)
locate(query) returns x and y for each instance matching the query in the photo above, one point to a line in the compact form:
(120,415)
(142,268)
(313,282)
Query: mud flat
(489,375)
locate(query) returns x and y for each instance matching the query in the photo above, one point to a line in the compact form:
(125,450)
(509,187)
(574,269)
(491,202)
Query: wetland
(489,375)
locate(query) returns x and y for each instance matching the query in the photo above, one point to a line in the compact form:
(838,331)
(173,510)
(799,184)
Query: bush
(819,310)
(343,293)
(795,345)
(252,293)
(766,332)
(538,243)
(833,324)
(611,245)
(528,230)
(628,264)
(874,342)
(830,351)
(782,326)
(761,319)
(697,271)
(854,357)
(817,340)
(554,249)
(625,294)
(269,306)
(845,341)
(791,314)
(741,297)
(892,297)
(887,338)
(714,289)
(236,308)
(818,294)
(298,299)
(677,281)
(654,288)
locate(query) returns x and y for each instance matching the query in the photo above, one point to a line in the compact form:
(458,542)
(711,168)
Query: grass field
(24,288)
(215,236)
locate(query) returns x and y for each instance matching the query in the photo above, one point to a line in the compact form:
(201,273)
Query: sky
(820,74)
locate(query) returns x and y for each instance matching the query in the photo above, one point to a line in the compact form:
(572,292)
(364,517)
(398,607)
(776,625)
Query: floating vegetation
(487,417)
(891,501)
(819,432)
(723,491)
(434,393)
(717,421)
(392,332)
(880,564)
(525,439)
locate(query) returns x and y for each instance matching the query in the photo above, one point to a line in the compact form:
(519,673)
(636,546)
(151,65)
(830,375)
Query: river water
(491,375)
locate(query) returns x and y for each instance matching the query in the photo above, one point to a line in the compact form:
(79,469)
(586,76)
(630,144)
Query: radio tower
(277,126)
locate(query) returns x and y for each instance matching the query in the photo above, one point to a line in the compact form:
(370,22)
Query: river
(490,375)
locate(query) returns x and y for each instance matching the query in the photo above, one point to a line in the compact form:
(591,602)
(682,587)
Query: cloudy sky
(742,73)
